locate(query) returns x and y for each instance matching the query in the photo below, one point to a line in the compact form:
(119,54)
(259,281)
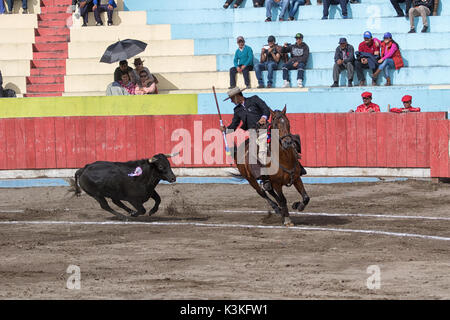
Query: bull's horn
(152,160)
(169,155)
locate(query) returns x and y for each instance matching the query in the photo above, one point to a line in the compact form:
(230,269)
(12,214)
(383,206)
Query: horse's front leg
(300,206)
(278,189)
(263,194)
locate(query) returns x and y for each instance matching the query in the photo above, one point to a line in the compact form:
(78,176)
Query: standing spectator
(420,8)
(139,66)
(99,8)
(243,63)
(284,8)
(148,85)
(407,107)
(237,3)
(270,56)
(299,57)
(127,84)
(367,56)
(2,7)
(326,7)
(1,81)
(367,105)
(11,5)
(435,7)
(122,68)
(395,4)
(390,58)
(344,58)
(294,8)
(86,6)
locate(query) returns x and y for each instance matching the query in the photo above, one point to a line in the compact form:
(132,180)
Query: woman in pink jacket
(390,58)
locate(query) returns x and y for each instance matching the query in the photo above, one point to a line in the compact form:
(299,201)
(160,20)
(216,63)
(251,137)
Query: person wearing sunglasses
(368,105)
(139,67)
(148,86)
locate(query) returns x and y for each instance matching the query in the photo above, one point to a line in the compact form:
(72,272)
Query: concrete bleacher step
(17,35)
(155,64)
(114,33)
(15,68)
(23,21)
(154,48)
(130,18)
(17,83)
(16,51)
(44,80)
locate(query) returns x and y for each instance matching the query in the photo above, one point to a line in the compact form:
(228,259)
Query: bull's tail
(75,186)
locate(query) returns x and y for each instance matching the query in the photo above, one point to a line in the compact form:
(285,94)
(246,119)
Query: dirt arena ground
(189,260)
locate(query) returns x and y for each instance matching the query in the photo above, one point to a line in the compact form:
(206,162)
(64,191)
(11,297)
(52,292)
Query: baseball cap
(387,35)
(342,40)
(271,39)
(299,35)
(240,38)
(366,95)
(367,35)
(406,98)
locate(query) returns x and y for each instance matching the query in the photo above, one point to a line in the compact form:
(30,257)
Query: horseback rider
(254,114)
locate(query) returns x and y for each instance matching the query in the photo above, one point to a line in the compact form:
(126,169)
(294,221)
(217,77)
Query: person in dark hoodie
(1,83)
(367,56)
(344,58)
(299,57)
(422,8)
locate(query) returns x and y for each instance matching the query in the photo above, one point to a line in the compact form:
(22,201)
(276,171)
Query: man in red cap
(367,105)
(407,107)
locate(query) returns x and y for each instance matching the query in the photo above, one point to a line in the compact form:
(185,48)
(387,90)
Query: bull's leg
(278,188)
(120,204)
(263,194)
(139,207)
(300,206)
(105,206)
(155,196)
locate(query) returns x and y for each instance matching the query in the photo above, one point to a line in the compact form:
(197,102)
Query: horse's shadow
(318,220)
(153,218)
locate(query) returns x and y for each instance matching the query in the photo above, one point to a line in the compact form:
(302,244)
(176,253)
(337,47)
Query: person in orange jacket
(407,107)
(367,105)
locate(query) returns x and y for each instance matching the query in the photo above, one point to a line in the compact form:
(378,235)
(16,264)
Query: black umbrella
(123,50)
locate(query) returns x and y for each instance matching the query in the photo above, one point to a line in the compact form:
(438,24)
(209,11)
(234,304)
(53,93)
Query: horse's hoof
(290,224)
(298,206)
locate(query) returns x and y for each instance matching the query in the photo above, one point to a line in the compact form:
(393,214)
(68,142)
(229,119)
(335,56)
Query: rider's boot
(302,170)
(255,169)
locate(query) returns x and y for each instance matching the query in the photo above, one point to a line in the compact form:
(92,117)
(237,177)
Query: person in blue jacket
(243,63)
(2,7)
(11,5)
(99,8)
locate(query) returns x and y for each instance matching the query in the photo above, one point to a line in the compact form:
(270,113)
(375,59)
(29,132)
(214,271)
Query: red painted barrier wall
(439,149)
(328,140)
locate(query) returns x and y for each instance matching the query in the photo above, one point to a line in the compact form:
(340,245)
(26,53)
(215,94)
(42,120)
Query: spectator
(139,66)
(344,58)
(2,7)
(435,7)
(86,6)
(284,8)
(367,105)
(148,85)
(395,4)
(237,3)
(99,8)
(420,8)
(126,83)
(11,6)
(390,58)
(367,57)
(1,81)
(123,67)
(326,7)
(243,63)
(294,8)
(115,89)
(407,107)
(270,56)
(299,57)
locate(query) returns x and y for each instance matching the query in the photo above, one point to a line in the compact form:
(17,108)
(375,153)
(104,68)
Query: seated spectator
(243,63)
(115,89)
(86,6)
(367,105)
(407,107)
(270,56)
(99,8)
(295,4)
(420,8)
(11,6)
(148,85)
(390,58)
(127,84)
(395,4)
(343,60)
(122,68)
(139,66)
(326,8)
(284,8)
(299,57)
(237,3)
(2,7)
(367,57)
(1,82)
(435,7)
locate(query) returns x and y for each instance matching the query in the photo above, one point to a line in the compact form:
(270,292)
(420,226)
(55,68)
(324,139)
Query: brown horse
(289,168)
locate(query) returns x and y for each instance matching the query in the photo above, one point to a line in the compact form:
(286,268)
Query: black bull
(132,181)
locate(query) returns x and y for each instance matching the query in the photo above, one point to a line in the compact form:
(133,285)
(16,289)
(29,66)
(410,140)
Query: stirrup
(266,185)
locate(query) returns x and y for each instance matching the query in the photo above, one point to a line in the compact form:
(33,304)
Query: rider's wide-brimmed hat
(231,93)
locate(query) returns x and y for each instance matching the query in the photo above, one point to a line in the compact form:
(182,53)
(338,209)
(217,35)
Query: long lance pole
(227,149)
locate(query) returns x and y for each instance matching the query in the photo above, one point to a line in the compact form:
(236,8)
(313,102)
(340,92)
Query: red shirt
(400,110)
(364,108)
(363,47)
